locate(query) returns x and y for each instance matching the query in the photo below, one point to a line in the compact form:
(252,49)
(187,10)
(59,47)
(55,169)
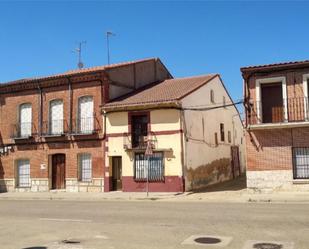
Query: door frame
(115,188)
(51,171)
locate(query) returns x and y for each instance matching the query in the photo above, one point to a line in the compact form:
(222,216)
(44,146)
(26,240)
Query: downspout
(70,105)
(40,109)
(183,147)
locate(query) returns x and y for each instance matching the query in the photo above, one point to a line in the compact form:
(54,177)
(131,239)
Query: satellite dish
(80,65)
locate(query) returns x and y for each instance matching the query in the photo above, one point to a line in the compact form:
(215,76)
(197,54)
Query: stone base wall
(96,185)
(42,185)
(275,180)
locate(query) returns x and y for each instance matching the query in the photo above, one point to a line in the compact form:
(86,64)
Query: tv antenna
(78,50)
(108,34)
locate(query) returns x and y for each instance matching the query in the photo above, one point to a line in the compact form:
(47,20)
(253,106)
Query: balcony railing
(292,110)
(54,127)
(22,130)
(87,125)
(139,142)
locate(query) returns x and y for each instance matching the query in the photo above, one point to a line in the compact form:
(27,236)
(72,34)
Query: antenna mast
(78,50)
(108,34)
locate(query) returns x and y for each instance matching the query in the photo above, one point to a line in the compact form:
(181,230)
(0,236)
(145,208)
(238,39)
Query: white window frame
(18,185)
(258,92)
(25,131)
(305,91)
(50,129)
(82,126)
(80,166)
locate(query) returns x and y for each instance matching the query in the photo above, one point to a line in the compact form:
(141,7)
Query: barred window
(23,173)
(153,165)
(301,163)
(85,167)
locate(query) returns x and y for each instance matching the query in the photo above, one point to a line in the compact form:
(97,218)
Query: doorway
(235,161)
(58,171)
(116,173)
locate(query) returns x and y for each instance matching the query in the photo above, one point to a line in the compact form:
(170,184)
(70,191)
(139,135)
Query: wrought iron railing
(291,110)
(22,130)
(87,125)
(139,141)
(54,127)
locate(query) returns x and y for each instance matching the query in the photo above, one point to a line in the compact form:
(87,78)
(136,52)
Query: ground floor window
(153,165)
(301,163)
(23,173)
(85,167)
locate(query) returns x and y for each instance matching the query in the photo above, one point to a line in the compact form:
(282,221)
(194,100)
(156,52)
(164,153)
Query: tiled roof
(166,91)
(275,65)
(76,72)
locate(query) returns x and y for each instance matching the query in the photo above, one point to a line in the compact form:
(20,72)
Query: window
(25,120)
(153,164)
(216,139)
(85,114)
(139,130)
(224,102)
(229,136)
(56,116)
(222,132)
(85,167)
(301,163)
(23,173)
(212,96)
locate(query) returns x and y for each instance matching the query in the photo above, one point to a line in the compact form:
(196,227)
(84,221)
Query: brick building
(52,133)
(277,125)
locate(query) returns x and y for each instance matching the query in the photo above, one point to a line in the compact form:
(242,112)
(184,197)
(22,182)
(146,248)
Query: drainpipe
(40,109)
(70,105)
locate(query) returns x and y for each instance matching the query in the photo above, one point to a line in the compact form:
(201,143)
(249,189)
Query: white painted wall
(204,161)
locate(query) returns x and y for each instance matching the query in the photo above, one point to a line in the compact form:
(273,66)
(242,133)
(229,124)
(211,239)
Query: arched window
(85,114)
(212,96)
(56,116)
(25,120)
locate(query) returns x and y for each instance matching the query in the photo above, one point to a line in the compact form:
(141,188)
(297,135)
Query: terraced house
(51,130)
(277,125)
(180,134)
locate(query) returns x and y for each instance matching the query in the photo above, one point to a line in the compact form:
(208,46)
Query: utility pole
(78,50)
(108,34)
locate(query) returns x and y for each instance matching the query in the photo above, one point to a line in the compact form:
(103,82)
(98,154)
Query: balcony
(85,126)
(292,112)
(54,128)
(23,130)
(137,142)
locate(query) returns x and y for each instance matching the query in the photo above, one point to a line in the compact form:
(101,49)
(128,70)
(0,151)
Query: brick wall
(39,149)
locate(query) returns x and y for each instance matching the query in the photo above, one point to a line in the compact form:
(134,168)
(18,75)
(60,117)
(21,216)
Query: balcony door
(85,114)
(25,120)
(272,103)
(56,117)
(139,130)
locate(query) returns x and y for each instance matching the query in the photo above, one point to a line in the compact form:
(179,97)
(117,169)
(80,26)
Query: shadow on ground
(36,247)
(238,183)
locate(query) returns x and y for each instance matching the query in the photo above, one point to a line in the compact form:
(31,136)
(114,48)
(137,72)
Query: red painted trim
(170,184)
(107,183)
(124,134)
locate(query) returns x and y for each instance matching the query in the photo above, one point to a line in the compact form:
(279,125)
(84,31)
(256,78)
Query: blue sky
(36,38)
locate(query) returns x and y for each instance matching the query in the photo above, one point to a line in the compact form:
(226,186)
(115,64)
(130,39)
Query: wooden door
(235,161)
(272,103)
(117,173)
(58,171)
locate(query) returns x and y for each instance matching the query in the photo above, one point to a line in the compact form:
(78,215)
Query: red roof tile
(167,91)
(275,65)
(76,72)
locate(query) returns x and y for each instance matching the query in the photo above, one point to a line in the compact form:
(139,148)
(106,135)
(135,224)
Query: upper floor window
(85,114)
(139,130)
(23,173)
(222,132)
(224,102)
(56,116)
(229,136)
(25,120)
(212,96)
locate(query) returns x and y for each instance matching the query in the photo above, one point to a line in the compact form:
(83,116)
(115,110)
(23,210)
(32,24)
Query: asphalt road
(147,224)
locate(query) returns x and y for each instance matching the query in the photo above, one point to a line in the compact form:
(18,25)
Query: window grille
(153,165)
(85,167)
(301,163)
(23,173)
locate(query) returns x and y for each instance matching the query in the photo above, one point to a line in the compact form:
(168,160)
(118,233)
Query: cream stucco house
(191,127)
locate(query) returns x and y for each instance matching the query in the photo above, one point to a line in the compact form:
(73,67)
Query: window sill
(300,181)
